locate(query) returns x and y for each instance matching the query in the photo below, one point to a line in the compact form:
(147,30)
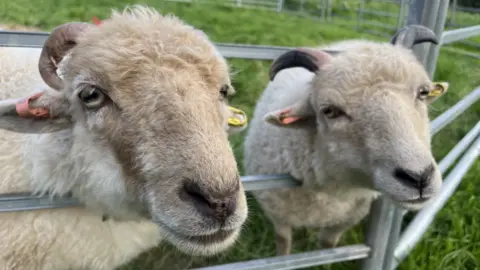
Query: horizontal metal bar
(461,52)
(259,3)
(381,25)
(453,112)
(260,182)
(468,9)
(459,148)
(300,260)
(257,52)
(22,39)
(28,203)
(378,13)
(244,51)
(419,225)
(470,43)
(397,2)
(377,33)
(460,34)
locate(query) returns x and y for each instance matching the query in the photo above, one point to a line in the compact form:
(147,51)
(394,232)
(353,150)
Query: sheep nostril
(406,178)
(218,207)
(415,180)
(196,194)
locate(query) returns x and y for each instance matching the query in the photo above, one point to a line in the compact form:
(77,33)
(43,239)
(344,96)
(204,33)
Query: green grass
(345,12)
(452,242)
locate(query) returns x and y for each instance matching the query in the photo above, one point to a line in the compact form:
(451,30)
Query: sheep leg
(329,237)
(283,238)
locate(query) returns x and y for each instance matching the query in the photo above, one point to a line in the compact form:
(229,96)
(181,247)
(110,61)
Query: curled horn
(310,59)
(61,40)
(412,35)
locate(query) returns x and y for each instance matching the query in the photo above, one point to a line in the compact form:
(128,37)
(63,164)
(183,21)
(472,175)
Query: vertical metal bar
(429,19)
(279,5)
(432,57)
(324,9)
(415,11)
(401,14)
(329,10)
(394,236)
(360,14)
(454,11)
(380,223)
(418,14)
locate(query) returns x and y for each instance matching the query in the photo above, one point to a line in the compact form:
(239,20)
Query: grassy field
(453,242)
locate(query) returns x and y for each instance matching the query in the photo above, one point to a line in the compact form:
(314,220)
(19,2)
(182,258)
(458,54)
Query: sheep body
(336,158)
(335,207)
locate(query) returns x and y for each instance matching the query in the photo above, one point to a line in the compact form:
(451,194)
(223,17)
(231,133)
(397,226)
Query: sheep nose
(419,180)
(218,206)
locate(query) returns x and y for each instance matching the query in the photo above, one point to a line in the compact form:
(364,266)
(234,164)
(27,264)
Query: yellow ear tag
(439,88)
(240,118)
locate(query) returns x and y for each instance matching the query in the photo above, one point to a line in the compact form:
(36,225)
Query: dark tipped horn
(414,34)
(61,40)
(307,58)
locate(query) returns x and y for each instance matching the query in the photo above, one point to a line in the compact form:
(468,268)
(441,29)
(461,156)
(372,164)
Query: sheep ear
(311,59)
(439,88)
(42,112)
(299,114)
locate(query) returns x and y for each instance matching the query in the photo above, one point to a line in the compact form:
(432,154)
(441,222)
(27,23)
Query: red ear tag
(96,20)
(23,108)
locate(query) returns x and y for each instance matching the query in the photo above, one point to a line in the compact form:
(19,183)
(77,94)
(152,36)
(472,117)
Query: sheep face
(368,109)
(143,99)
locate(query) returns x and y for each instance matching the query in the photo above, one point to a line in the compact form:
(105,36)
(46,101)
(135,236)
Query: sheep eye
(224,90)
(92,97)
(332,112)
(423,92)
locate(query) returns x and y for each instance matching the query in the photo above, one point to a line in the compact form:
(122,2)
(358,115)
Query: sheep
(350,122)
(129,117)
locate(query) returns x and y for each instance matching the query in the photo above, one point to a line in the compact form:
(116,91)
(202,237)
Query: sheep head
(142,101)
(367,107)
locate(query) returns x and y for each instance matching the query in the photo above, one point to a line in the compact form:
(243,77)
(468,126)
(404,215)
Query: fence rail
(385,248)
(301,260)
(460,34)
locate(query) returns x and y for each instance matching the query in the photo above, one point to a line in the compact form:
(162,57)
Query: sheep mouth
(217,237)
(204,239)
(417,200)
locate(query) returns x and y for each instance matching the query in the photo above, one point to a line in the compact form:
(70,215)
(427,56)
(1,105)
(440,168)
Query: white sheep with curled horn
(132,122)
(350,121)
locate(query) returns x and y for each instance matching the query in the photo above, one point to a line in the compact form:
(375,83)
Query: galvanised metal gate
(385,245)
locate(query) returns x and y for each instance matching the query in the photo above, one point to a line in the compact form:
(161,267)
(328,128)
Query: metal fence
(386,246)
(377,17)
